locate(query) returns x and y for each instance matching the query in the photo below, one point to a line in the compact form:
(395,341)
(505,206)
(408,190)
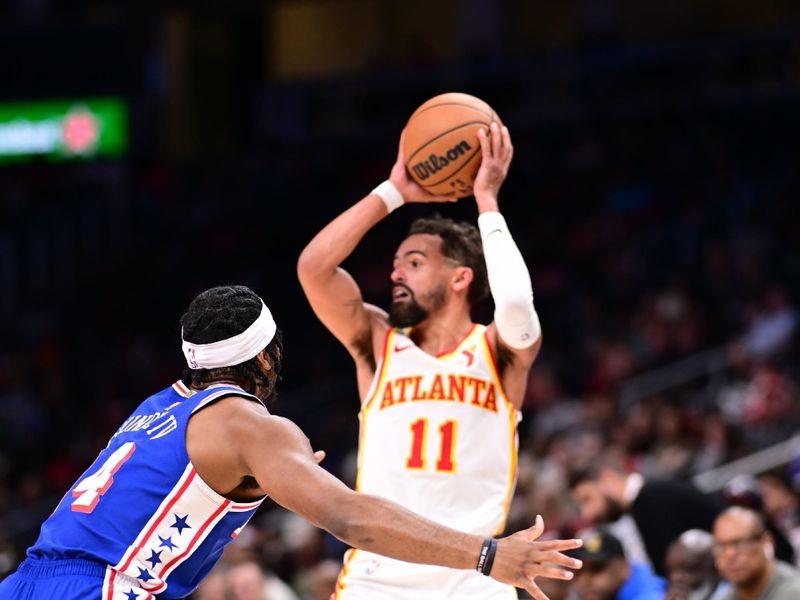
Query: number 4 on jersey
(91,487)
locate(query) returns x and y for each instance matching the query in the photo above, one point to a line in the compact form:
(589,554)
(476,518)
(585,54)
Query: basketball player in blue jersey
(185,472)
(440,394)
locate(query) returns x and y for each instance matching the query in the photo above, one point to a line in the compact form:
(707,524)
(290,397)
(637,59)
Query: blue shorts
(63,580)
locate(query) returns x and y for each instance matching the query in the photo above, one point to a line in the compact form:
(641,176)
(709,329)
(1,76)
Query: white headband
(234,350)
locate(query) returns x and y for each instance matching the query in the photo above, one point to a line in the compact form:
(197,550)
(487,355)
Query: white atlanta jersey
(438,436)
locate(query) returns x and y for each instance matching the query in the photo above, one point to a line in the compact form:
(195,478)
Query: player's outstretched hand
(497,152)
(410,189)
(520,559)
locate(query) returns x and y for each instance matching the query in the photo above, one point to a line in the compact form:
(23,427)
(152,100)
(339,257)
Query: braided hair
(220,313)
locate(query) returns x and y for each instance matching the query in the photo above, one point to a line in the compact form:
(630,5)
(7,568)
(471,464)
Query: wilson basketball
(441,145)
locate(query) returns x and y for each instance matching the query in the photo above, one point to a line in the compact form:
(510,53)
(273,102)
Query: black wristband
(486,557)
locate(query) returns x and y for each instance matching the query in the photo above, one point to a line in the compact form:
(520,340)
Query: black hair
(461,241)
(220,313)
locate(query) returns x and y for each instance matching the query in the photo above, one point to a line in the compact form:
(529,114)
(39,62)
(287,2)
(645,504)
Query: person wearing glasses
(745,555)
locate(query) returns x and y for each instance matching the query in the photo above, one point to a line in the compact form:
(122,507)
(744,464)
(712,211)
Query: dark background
(652,193)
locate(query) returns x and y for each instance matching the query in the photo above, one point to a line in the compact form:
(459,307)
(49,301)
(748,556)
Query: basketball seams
(492,115)
(441,135)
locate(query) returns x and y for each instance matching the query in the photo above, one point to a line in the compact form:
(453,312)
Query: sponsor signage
(63,130)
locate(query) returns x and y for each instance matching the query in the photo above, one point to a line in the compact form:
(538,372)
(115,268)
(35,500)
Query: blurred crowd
(656,225)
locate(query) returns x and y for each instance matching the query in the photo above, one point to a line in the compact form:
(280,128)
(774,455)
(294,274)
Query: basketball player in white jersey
(440,395)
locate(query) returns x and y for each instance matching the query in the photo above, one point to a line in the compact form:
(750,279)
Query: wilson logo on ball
(434,163)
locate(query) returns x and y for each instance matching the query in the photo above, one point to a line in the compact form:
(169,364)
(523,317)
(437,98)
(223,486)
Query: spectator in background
(559,590)
(246,581)
(745,491)
(242,580)
(322,581)
(607,574)
(213,586)
(745,556)
(690,568)
(772,325)
(661,508)
(719,441)
(781,505)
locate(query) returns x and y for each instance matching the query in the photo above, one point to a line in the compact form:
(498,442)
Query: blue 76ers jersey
(142,509)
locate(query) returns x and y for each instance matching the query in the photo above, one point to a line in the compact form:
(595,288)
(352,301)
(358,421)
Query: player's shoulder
(250,425)
(254,424)
(233,411)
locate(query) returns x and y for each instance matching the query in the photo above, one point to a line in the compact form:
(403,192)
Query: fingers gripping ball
(441,144)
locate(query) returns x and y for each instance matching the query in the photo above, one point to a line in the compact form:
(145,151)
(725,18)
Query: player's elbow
(310,264)
(518,324)
(515,308)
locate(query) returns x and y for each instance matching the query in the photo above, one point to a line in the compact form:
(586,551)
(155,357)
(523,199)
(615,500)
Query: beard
(406,314)
(613,511)
(411,312)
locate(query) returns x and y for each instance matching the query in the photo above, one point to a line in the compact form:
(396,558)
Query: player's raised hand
(410,189)
(520,559)
(497,152)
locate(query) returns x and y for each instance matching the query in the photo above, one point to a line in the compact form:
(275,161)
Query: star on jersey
(166,543)
(155,558)
(132,595)
(180,523)
(144,575)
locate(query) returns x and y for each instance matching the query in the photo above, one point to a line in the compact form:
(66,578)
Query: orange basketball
(441,145)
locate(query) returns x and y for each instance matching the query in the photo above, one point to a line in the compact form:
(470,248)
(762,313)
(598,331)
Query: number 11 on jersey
(445,463)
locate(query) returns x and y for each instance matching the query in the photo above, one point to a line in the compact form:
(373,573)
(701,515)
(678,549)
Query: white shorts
(368,576)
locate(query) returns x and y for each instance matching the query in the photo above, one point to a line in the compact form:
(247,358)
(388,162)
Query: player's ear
(462,277)
(769,546)
(264,360)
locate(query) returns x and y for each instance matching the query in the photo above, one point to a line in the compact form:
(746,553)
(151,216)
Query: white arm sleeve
(510,283)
